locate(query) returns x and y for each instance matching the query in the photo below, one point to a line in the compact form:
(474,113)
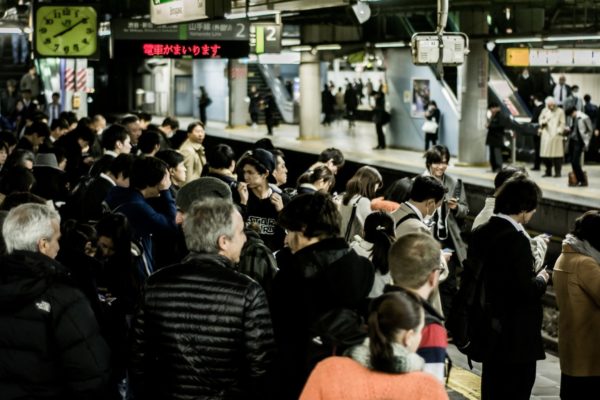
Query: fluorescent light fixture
(301,48)
(568,38)
(287,57)
(518,39)
(260,13)
(390,44)
(290,42)
(11,27)
(322,47)
(10,30)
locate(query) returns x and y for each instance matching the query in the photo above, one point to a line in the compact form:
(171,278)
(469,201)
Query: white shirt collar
(108,178)
(514,223)
(415,209)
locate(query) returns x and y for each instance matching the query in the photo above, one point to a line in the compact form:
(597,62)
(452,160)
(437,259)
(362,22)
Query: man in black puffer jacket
(203,329)
(50,345)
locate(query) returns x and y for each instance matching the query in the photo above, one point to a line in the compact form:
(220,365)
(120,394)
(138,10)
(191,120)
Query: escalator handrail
(280,94)
(504,76)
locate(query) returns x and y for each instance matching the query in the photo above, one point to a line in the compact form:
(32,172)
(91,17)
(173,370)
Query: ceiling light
(323,47)
(390,44)
(567,38)
(518,39)
(301,48)
(290,42)
(362,12)
(250,14)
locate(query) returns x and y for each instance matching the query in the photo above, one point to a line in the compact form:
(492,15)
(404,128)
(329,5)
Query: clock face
(66,31)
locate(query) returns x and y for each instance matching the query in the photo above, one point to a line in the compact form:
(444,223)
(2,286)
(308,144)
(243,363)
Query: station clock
(66,31)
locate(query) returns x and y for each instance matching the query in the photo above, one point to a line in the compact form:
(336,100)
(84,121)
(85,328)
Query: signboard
(127,29)
(189,49)
(517,57)
(524,57)
(265,38)
(426,48)
(177,11)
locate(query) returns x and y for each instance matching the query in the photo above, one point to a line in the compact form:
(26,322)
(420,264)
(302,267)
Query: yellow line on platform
(466,383)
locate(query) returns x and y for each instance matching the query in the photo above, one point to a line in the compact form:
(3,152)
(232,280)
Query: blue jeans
(19,42)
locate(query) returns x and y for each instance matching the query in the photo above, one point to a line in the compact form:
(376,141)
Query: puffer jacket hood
(323,253)
(24,276)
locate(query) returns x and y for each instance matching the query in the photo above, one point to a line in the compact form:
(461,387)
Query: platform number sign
(265,38)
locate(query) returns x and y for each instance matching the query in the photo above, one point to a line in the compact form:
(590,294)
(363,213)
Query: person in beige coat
(193,151)
(552,129)
(576,279)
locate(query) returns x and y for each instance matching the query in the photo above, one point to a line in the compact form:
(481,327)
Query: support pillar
(310,96)
(238,92)
(471,139)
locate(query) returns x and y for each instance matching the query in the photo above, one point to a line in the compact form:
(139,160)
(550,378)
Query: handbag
(430,126)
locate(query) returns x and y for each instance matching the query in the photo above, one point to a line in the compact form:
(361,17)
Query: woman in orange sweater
(385,365)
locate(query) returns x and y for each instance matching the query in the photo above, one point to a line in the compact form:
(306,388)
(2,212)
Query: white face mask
(427,217)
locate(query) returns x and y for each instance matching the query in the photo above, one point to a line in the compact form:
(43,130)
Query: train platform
(357,145)
(465,384)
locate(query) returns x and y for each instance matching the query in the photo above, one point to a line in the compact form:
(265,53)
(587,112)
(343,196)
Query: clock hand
(82,21)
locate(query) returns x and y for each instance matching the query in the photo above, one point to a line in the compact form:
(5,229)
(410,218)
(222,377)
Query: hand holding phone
(543,273)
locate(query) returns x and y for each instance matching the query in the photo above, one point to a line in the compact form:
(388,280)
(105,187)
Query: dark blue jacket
(144,219)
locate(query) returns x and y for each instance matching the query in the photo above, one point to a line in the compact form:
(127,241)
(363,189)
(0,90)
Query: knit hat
(46,160)
(200,189)
(263,157)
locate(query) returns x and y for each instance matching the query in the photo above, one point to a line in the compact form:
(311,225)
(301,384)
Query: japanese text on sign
(196,50)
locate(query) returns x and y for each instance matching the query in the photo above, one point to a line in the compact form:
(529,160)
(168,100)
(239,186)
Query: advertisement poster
(420,97)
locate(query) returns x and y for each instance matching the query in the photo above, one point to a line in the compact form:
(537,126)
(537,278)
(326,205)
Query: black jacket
(512,292)
(316,279)
(50,345)
(203,331)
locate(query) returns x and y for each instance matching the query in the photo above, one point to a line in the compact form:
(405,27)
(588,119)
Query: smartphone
(543,267)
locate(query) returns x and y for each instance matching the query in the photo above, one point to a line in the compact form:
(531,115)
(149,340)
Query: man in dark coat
(203,329)
(148,179)
(495,136)
(513,293)
(50,340)
(318,273)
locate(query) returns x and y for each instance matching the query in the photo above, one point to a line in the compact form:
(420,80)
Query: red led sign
(205,50)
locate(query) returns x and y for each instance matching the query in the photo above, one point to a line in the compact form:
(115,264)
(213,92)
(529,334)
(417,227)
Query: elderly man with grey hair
(551,131)
(50,340)
(203,330)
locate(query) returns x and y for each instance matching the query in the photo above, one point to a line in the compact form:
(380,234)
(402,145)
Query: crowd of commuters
(140,264)
(567,126)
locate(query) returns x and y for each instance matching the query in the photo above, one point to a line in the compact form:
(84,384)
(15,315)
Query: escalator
(504,92)
(263,77)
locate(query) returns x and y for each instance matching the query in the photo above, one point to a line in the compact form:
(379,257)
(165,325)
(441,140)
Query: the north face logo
(43,305)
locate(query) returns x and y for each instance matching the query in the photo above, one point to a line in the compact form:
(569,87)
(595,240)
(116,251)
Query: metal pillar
(472,129)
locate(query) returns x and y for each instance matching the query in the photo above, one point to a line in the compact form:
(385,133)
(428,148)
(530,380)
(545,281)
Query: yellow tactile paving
(465,382)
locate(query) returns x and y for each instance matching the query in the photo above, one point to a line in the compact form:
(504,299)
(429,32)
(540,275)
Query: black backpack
(333,333)
(73,208)
(469,320)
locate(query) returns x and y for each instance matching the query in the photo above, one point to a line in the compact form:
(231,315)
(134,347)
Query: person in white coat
(552,129)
